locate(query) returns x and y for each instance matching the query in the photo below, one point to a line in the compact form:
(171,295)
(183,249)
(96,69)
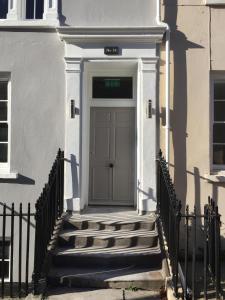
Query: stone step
(112,256)
(108,277)
(107,238)
(114,225)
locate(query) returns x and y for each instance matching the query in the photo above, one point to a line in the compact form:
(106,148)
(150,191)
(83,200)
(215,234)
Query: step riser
(81,225)
(82,242)
(92,283)
(153,261)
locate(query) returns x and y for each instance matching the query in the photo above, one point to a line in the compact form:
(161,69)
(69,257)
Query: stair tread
(112,219)
(102,234)
(125,273)
(112,251)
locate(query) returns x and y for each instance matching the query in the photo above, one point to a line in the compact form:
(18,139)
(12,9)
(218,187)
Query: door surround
(96,68)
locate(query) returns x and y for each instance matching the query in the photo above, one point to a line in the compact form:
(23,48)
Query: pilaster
(147,135)
(73,137)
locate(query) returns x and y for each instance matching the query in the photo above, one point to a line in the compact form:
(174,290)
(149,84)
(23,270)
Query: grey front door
(112,159)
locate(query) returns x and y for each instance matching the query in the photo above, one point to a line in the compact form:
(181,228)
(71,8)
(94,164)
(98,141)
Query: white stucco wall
(107,13)
(35,62)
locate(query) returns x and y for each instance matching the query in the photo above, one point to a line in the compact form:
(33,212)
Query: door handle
(111,165)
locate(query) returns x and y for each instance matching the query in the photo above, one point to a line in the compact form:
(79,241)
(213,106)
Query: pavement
(101,294)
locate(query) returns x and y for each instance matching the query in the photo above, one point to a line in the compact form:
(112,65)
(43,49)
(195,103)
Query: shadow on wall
(62,18)
(19,180)
(74,172)
(179,46)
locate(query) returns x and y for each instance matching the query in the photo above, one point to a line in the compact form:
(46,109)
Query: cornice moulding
(100,34)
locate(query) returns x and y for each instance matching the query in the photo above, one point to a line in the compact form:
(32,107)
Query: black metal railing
(193,240)
(49,208)
(16,225)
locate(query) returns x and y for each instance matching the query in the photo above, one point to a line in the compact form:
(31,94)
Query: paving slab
(100,294)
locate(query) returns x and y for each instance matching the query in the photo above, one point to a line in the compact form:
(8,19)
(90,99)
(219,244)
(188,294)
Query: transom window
(4,123)
(219,123)
(112,87)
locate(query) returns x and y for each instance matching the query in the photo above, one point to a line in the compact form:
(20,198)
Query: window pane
(39,9)
(219,154)
(219,110)
(3,89)
(3,153)
(3,111)
(34,9)
(219,90)
(3,132)
(3,8)
(6,268)
(7,244)
(112,87)
(219,133)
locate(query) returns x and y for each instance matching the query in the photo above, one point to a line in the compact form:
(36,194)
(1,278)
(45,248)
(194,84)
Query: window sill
(215,2)
(8,175)
(218,177)
(5,23)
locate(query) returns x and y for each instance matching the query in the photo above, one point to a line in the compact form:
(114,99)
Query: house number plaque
(111,50)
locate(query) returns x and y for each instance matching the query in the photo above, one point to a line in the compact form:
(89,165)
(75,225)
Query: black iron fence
(25,236)
(193,241)
(49,208)
(15,242)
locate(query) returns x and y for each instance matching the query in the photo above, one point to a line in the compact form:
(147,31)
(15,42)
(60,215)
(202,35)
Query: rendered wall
(35,61)
(107,13)
(191,32)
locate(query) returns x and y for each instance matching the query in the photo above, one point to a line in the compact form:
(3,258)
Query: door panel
(112,144)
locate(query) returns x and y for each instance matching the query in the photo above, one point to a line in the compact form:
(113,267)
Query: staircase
(108,248)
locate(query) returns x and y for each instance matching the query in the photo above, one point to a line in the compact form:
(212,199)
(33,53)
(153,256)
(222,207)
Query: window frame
(215,79)
(5,167)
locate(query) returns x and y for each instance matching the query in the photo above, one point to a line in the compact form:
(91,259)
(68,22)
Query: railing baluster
(205,251)
(12,251)
(186,252)
(27,248)
(20,252)
(194,255)
(217,252)
(3,250)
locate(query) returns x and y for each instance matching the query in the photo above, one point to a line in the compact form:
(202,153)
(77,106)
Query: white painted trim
(9,23)
(95,69)
(215,77)
(215,2)
(5,168)
(8,175)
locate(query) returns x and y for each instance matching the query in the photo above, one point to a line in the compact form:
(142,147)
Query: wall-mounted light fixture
(72,109)
(149,109)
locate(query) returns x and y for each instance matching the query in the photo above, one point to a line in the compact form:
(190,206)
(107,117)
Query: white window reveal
(3,9)
(219,124)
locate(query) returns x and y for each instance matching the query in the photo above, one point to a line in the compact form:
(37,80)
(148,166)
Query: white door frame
(77,129)
(91,69)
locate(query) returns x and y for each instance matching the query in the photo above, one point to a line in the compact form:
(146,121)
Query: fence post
(217,253)
(177,243)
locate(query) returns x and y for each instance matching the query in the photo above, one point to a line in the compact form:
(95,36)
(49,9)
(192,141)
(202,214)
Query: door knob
(111,165)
